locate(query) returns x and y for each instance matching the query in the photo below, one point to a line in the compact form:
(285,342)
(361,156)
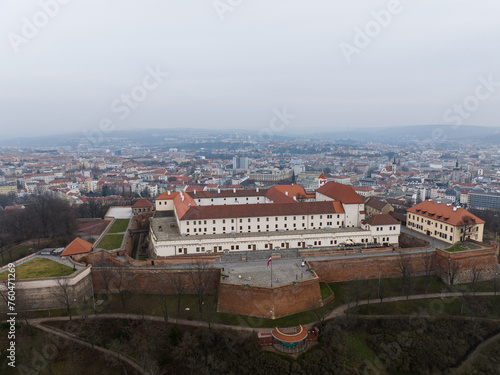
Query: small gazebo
(290,340)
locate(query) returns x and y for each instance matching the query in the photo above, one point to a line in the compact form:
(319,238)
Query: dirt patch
(91,227)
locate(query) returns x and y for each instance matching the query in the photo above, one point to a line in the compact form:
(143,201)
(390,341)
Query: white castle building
(281,217)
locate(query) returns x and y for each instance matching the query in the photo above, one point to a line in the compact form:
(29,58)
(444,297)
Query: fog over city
(69,66)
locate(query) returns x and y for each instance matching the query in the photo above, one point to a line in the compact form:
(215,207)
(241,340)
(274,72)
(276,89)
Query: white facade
(192,227)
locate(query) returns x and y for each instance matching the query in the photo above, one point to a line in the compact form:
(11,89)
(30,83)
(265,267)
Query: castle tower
(322,180)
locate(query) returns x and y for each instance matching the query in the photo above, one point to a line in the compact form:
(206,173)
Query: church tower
(322,180)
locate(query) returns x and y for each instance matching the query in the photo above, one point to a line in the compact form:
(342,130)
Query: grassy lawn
(119,226)
(487,307)
(345,291)
(462,246)
(111,241)
(150,304)
(325,290)
(39,267)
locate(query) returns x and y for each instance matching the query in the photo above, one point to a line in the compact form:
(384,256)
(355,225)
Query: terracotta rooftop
(77,246)
(229,193)
(296,334)
(193,212)
(443,212)
(340,192)
(381,219)
(167,195)
(142,203)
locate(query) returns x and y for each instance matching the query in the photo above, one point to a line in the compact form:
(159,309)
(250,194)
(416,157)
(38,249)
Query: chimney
(169,192)
(194,191)
(218,191)
(234,190)
(286,193)
(294,198)
(454,208)
(257,190)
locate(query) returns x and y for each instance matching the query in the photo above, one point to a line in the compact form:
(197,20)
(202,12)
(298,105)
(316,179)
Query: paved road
(435,243)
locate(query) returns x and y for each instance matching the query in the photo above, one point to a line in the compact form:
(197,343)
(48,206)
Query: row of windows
(284,245)
(382,228)
(249,228)
(267,219)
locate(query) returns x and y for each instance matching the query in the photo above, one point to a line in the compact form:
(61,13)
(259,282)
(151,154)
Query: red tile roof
(194,212)
(340,192)
(443,212)
(381,219)
(278,196)
(230,193)
(293,191)
(142,203)
(77,246)
(167,195)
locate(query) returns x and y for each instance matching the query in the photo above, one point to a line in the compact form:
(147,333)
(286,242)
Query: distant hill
(429,134)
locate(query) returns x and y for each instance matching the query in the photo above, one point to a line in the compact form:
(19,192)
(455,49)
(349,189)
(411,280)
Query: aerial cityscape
(249,188)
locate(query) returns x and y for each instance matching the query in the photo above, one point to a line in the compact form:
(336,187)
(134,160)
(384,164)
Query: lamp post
(379,277)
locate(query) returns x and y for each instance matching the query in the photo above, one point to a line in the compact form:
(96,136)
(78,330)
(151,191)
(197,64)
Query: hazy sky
(69,65)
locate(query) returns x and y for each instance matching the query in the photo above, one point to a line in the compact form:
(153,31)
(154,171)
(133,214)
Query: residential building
(445,222)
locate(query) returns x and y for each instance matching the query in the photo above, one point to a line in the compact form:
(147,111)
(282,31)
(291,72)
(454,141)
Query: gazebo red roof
(299,334)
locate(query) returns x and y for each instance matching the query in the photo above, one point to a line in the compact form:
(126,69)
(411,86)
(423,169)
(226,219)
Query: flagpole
(271,271)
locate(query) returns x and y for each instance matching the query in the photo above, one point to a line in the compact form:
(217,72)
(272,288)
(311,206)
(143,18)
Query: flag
(270,259)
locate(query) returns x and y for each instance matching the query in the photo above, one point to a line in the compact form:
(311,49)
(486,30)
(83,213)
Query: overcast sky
(230,63)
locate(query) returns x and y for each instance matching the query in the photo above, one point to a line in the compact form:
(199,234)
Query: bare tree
(107,277)
(381,291)
(468,223)
(200,276)
(429,268)
(121,286)
(476,276)
(164,308)
(369,289)
(62,293)
(179,287)
(451,268)
(405,268)
(320,312)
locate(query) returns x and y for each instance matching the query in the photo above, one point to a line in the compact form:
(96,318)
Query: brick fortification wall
(464,263)
(45,293)
(407,241)
(152,280)
(368,267)
(365,267)
(260,301)
(100,257)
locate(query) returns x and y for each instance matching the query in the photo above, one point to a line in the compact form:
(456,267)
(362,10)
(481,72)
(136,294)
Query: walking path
(335,313)
(474,353)
(37,324)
